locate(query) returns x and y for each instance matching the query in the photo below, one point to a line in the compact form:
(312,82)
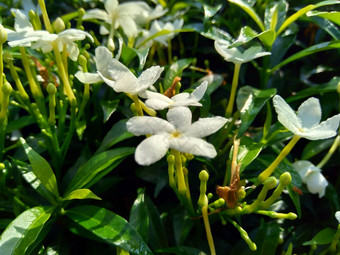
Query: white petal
(88,77)
(22,23)
(128,25)
(102,59)
(286,115)
(180,97)
(199,92)
(117,69)
(152,149)
(337,216)
(206,126)
(193,145)
(180,117)
(302,167)
(149,77)
(157,104)
(109,82)
(75,34)
(97,14)
(317,183)
(126,83)
(145,125)
(326,129)
(111,6)
(309,113)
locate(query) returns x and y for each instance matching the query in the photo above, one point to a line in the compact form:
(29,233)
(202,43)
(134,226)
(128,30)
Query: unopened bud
(270,182)
(203,176)
(6,88)
(59,25)
(51,89)
(285,178)
(3,35)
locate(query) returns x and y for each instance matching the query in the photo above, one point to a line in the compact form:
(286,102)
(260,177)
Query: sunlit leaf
(81,194)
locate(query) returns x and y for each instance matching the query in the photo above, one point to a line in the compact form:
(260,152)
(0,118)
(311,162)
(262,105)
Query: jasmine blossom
(159,101)
(337,216)
(306,123)
(177,133)
(312,177)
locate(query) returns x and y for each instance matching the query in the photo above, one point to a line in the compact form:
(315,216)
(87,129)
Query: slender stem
(179,172)
(330,152)
(1,70)
(169,52)
(137,105)
(208,229)
(234,84)
(45,16)
(270,169)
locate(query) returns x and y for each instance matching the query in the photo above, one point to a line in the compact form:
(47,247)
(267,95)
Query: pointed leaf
(81,194)
(325,236)
(130,53)
(41,169)
(97,167)
(332,16)
(176,69)
(248,151)
(23,230)
(109,227)
(108,107)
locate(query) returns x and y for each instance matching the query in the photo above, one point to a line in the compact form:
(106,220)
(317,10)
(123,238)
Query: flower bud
(285,178)
(111,44)
(270,182)
(6,88)
(59,25)
(203,176)
(51,89)
(3,35)
(82,60)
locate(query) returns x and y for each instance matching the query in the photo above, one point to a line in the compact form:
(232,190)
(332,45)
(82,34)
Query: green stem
(45,16)
(244,235)
(137,105)
(270,169)
(169,52)
(182,189)
(330,152)
(234,84)
(208,229)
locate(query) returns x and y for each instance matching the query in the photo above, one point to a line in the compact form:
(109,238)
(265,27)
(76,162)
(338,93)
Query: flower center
(175,134)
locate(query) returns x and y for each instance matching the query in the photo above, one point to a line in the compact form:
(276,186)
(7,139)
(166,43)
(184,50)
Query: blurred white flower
(337,216)
(311,176)
(23,33)
(177,133)
(125,15)
(306,123)
(159,101)
(168,28)
(117,75)
(235,55)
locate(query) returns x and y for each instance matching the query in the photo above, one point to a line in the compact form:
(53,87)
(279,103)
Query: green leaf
(23,230)
(146,220)
(109,227)
(117,133)
(215,33)
(250,11)
(81,194)
(19,123)
(181,250)
(332,16)
(41,169)
(214,81)
(275,14)
(97,167)
(326,25)
(176,69)
(130,53)
(248,151)
(108,107)
(315,147)
(308,51)
(249,102)
(267,238)
(280,48)
(325,236)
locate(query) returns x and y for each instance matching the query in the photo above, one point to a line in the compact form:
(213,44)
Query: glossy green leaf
(181,250)
(214,82)
(215,33)
(332,16)
(176,69)
(117,133)
(275,14)
(109,227)
(210,11)
(280,47)
(41,169)
(249,102)
(23,230)
(81,194)
(146,220)
(326,25)
(315,147)
(267,238)
(325,236)
(289,250)
(302,12)
(97,167)
(250,11)
(308,51)
(128,54)
(108,108)
(248,151)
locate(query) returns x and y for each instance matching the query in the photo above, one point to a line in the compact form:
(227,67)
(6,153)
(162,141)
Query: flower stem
(270,169)
(137,105)
(182,189)
(45,16)
(330,152)
(234,84)
(208,229)
(244,235)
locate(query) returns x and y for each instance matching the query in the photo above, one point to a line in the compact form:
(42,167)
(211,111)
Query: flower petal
(193,145)
(302,167)
(180,117)
(326,129)
(199,92)
(88,77)
(316,183)
(22,22)
(286,115)
(126,83)
(206,126)
(309,113)
(337,216)
(145,125)
(97,14)
(152,149)
(148,78)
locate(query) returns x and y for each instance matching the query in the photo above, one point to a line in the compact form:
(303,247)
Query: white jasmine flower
(159,101)
(158,26)
(235,55)
(177,133)
(124,15)
(337,216)
(117,75)
(64,38)
(311,176)
(24,33)
(306,123)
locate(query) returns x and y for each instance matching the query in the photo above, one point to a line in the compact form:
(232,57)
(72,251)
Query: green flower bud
(285,178)
(3,35)
(81,12)
(203,176)
(6,88)
(241,193)
(51,89)
(59,25)
(82,60)
(2,166)
(270,182)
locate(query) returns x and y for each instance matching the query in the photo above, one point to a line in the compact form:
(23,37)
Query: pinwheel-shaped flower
(312,177)
(159,101)
(235,55)
(177,133)
(117,75)
(306,123)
